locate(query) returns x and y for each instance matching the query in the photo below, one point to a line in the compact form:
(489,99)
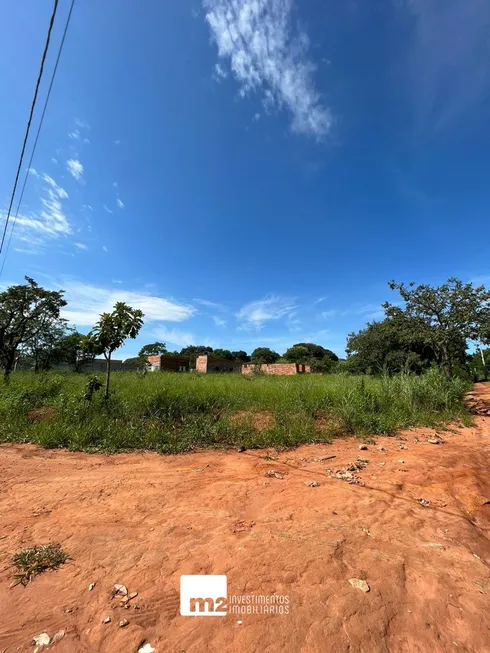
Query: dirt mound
(399,563)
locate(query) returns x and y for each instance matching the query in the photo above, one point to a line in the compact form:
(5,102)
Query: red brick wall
(202,364)
(277,368)
(169,363)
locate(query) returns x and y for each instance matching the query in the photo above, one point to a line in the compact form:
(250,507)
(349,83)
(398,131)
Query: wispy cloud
(175,337)
(254,314)
(75,134)
(218,321)
(80,246)
(86,302)
(265,54)
(75,168)
(83,124)
(36,228)
(60,192)
(448,59)
(108,209)
(120,203)
(209,304)
(105,248)
(219,72)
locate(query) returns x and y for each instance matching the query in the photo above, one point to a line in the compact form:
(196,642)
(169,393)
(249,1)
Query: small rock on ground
(123,623)
(41,640)
(359,584)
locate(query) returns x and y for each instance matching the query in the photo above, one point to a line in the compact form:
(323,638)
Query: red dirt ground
(144,519)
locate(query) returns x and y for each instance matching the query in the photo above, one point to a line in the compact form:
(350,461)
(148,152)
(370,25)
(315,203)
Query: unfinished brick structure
(170,363)
(277,368)
(208,365)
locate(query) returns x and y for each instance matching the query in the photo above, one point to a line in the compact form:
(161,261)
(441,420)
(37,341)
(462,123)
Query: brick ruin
(169,363)
(208,365)
(277,368)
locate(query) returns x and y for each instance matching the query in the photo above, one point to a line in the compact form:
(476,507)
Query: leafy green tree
(224,354)
(43,349)
(388,346)
(317,351)
(307,353)
(443,317)
(264,355)
(69,350)
(297,354)
(155,349)
(193,351)
(25,312)
(240,356)
(110,333)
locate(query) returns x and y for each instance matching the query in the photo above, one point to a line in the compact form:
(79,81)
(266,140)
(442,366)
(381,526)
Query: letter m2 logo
(203,596)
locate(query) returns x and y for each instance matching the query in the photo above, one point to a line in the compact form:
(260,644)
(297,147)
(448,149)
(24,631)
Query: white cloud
(115,184)
(86,140)
(175,337)
(82,124)
(54,160)
(207,303)
(108,209)
(105,248)
(256,313)
(86,302)
(75,168)
(61,192)
(75,134)
(219,72)
(257,38)
(80,246)
(328,314)
(36,228)
(218,321)
(120,203)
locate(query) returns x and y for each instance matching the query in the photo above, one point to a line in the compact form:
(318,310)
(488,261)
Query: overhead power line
(60,50)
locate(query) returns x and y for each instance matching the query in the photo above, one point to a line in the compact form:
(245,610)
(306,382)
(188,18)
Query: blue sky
(249,172)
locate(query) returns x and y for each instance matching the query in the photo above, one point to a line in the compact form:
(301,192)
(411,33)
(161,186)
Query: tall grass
(175,412)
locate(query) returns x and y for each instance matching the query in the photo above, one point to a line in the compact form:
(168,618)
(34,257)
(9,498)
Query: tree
(42,349)
(297,354)
(240,356)
(389,346)
(264,355)
(193,351)
(110,333)
(307,353)
(317,351)
(70,350)
(443,317)
(224,354)
(155,349)
(25,312)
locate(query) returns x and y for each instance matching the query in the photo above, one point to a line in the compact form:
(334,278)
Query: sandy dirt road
(145,519)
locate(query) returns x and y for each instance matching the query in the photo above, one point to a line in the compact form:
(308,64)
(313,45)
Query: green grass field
(172,413)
